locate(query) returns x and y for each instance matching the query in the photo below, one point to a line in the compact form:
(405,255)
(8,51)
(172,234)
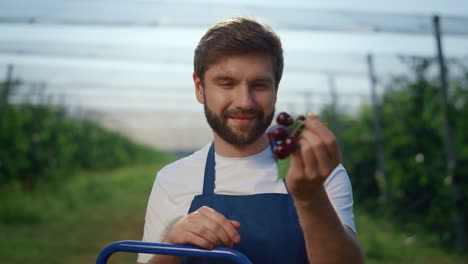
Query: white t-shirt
(177,184)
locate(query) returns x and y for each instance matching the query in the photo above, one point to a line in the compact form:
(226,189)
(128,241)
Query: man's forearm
(327,240)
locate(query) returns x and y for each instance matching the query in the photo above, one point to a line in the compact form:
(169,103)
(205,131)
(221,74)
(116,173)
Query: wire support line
(298,19)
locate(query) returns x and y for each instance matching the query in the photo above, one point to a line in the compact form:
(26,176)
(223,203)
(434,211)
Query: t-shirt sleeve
(171,196)
(161,213)
(340,193)
(153,232)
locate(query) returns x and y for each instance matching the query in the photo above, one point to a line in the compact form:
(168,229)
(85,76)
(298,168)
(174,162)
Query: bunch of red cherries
(286,134)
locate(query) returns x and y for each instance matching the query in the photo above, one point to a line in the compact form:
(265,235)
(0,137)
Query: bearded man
(228,193)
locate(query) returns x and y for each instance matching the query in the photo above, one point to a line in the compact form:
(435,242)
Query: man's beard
(250,135)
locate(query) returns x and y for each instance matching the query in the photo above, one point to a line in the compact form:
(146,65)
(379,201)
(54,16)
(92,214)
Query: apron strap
(209,177)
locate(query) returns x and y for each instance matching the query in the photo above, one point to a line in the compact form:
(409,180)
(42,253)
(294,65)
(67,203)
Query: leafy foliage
(419,190)
(39,142)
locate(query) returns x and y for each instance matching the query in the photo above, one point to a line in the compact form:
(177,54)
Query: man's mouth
(243,120)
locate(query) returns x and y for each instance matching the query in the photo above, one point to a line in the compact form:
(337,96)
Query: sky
(136,56)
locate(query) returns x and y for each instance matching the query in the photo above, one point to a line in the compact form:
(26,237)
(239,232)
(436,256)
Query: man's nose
(244,98)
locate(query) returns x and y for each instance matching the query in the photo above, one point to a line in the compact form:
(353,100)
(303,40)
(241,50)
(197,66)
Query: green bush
(40,143)
(419,190)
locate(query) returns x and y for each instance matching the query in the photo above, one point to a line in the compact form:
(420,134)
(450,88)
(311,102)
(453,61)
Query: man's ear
(198,89)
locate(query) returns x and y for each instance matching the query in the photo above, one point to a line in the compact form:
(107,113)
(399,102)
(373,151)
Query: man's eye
(261,86)
(225,84)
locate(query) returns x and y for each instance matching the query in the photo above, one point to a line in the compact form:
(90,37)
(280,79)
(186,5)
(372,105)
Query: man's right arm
(204,228)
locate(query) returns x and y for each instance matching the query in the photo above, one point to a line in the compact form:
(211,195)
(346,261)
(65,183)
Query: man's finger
(222,221)
(203,227)
(324,161)
(328,138)
(308,154)
(196,240)
(295,160)
(215,229)
(235,224)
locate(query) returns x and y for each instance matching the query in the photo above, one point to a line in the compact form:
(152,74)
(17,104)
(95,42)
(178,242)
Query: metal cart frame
(170,249)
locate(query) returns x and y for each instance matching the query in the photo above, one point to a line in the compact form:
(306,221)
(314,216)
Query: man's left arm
(327,239)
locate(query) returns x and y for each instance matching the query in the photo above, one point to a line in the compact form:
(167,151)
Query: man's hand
(318,155)
(205,228)
(327,240)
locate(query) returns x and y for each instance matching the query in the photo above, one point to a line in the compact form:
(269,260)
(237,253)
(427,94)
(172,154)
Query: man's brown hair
(237,36)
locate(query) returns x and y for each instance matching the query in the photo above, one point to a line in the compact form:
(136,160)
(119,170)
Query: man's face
(239,97)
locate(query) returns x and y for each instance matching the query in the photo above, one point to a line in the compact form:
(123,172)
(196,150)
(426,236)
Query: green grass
(72,221)
(385,242)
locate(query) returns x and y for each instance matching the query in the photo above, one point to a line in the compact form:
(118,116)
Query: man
(227,194)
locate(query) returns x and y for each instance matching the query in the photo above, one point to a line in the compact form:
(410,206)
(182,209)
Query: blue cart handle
(170,249)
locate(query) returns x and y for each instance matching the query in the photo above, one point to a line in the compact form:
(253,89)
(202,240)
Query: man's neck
(232,151)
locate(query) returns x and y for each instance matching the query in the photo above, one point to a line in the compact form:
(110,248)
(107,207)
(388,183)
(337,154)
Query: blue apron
(269,231)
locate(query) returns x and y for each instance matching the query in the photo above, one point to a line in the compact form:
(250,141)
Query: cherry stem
(297,126)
